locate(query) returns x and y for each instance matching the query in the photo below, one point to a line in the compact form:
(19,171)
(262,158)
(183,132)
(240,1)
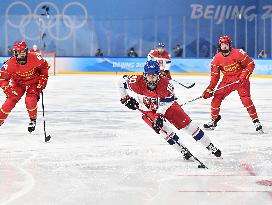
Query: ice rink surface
(101,153)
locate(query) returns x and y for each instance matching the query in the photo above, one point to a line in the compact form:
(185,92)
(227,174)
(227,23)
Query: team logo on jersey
(151,103)
(231,68)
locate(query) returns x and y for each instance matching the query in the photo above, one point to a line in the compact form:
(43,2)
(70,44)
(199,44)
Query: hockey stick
(46,138)
(199,97)
(188,87)
(201,165)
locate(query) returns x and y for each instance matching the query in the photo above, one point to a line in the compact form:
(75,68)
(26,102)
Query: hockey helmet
(151,74)
(21,57)
(151,68)
(224,39)
(19,46)
(161,45)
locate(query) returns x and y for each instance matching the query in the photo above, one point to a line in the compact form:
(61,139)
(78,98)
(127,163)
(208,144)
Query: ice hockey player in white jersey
(158,105)
(162,57)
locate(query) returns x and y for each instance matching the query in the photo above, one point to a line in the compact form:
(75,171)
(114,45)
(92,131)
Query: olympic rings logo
(47,24)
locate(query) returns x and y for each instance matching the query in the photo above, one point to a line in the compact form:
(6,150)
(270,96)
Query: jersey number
(242,51)
(132,79)
(38,56)
(170,88)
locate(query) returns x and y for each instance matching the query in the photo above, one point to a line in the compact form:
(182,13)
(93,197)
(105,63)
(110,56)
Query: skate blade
(189,160)
(261,132)
(209,129)
(212,156)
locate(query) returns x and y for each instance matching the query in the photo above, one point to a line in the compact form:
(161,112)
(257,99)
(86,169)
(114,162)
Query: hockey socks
(203,138)
(173,140)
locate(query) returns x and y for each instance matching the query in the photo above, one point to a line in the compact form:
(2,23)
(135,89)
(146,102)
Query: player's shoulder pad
(167,53)
(215,58)
(131,79)
(239,51)
(164,80)
(151,52)
(11,61)
(36,57)
(134,82)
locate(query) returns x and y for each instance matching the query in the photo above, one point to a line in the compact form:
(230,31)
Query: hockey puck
(201,166)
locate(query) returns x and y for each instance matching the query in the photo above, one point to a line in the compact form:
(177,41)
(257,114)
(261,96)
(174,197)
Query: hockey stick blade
(188,87)
(47,138)
(201,165)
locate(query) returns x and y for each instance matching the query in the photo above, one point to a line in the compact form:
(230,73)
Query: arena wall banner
(110,65)
(79,27)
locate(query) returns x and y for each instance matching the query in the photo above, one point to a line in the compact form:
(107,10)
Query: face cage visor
(151,80)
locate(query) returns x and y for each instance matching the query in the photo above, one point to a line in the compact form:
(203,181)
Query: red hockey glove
(10,92)
(42,83)
(207,93)
(244,76)
(158,123)
(130,102)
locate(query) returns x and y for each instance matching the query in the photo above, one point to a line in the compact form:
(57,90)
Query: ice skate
(216,152)
(258,126)
(186,154)
(211,125)
(31,125)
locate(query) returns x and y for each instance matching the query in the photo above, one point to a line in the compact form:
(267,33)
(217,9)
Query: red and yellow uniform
(17,79)
(237,66)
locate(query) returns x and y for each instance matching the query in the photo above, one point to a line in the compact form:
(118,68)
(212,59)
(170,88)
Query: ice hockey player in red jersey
(162,57)
(236,66)
(157,102)
(25,72)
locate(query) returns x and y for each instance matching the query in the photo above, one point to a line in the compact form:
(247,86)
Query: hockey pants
(31,99)
(244,93)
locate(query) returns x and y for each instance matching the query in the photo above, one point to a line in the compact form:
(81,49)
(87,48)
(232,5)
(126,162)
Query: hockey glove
(10,92)
(42,83)
(130,102)
(158,123)
(166,73)
(207,93)
(244,76)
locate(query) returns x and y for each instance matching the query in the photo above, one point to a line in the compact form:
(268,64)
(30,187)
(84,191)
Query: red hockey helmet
(225,39)
(21,57)
(19,46)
